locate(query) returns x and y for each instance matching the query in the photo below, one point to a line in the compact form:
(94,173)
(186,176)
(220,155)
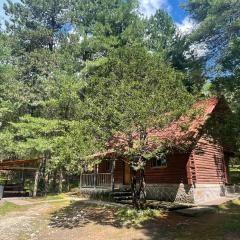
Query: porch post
(94,177)
(112,175)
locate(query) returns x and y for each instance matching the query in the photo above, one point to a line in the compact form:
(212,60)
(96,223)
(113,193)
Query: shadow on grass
(78,214)
(224,222)
(153,223)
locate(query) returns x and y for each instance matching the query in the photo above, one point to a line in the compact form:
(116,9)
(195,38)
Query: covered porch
(110,174)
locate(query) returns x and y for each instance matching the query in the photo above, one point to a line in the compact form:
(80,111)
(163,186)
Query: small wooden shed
(23,168)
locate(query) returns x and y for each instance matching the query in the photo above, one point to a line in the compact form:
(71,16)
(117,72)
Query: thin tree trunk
(44,176)
(134,190)
(60,189)
(142,189)
(46,183)
(36,183)
(54,181)
(68,183)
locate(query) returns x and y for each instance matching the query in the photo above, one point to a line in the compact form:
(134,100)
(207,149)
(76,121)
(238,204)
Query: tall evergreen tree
(219,31)
(130,93)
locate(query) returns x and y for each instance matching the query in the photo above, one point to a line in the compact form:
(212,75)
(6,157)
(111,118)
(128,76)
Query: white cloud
(186,26)
(199,50)
(149,7)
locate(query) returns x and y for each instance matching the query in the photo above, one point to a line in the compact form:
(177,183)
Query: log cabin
(197,175)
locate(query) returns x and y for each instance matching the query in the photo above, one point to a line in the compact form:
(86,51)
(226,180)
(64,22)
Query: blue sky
(148,7)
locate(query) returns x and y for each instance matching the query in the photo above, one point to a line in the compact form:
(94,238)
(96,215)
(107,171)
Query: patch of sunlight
(223,207)
(8,207)
(51,197)
(236,202)
(133,216)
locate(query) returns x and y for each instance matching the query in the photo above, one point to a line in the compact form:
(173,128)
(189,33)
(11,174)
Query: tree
(219,31)
(130,93)
(163,37)
(36,23)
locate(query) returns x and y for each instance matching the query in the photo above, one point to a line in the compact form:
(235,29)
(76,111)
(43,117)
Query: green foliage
(64,95)
(132,92)
(135,217)
(235,174)
(219,30)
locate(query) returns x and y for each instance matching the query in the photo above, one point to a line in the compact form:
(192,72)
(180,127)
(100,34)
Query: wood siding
(175,172)
(209,165)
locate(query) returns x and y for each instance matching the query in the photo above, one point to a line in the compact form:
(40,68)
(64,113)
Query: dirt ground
(64,220)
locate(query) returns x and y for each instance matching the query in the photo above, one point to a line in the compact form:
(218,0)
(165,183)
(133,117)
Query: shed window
(159,162)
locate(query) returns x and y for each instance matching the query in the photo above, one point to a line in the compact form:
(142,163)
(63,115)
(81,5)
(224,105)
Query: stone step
(195,211)
(122,193)
(129,202)
(119,198)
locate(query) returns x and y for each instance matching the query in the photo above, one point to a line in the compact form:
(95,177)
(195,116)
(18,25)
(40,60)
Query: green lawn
(235,174)
(7,207)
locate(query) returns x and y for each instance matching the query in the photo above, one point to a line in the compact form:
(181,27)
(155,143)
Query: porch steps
(122,196)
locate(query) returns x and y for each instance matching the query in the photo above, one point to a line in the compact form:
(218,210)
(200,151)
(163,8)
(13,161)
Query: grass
(223,224)
(232,213)
(8,207)
(51,197)
(133,216)
(235,174)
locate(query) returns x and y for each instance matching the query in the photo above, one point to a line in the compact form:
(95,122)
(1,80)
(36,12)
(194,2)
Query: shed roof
(17,164)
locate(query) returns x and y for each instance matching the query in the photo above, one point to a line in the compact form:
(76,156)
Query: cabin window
(159,162)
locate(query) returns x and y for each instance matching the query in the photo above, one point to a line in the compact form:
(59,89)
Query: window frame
(155,160)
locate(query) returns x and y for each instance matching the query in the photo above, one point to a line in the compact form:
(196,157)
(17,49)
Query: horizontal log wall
(175,172)
(209,162)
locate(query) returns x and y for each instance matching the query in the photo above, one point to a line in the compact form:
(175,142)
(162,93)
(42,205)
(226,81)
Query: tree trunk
(54,181)
(46,183)
(142,189)
(36,183)
(44,176)
(138,192)
(60,189)
(68,183)
(134,190)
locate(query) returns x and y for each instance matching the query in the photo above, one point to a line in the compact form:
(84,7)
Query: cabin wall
(169,183)
(210,166)
(174,173)
(209,170)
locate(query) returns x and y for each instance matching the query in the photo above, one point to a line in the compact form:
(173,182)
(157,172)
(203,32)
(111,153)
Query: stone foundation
(170,192)
(208,192)
(185,193)
(198,193)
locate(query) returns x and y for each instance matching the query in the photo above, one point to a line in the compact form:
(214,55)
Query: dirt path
(23,225)
(83,220)
(59,220)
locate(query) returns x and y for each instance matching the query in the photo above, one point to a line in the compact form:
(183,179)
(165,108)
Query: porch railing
(93,180)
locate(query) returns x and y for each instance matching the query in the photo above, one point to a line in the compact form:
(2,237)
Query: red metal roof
(185,128)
